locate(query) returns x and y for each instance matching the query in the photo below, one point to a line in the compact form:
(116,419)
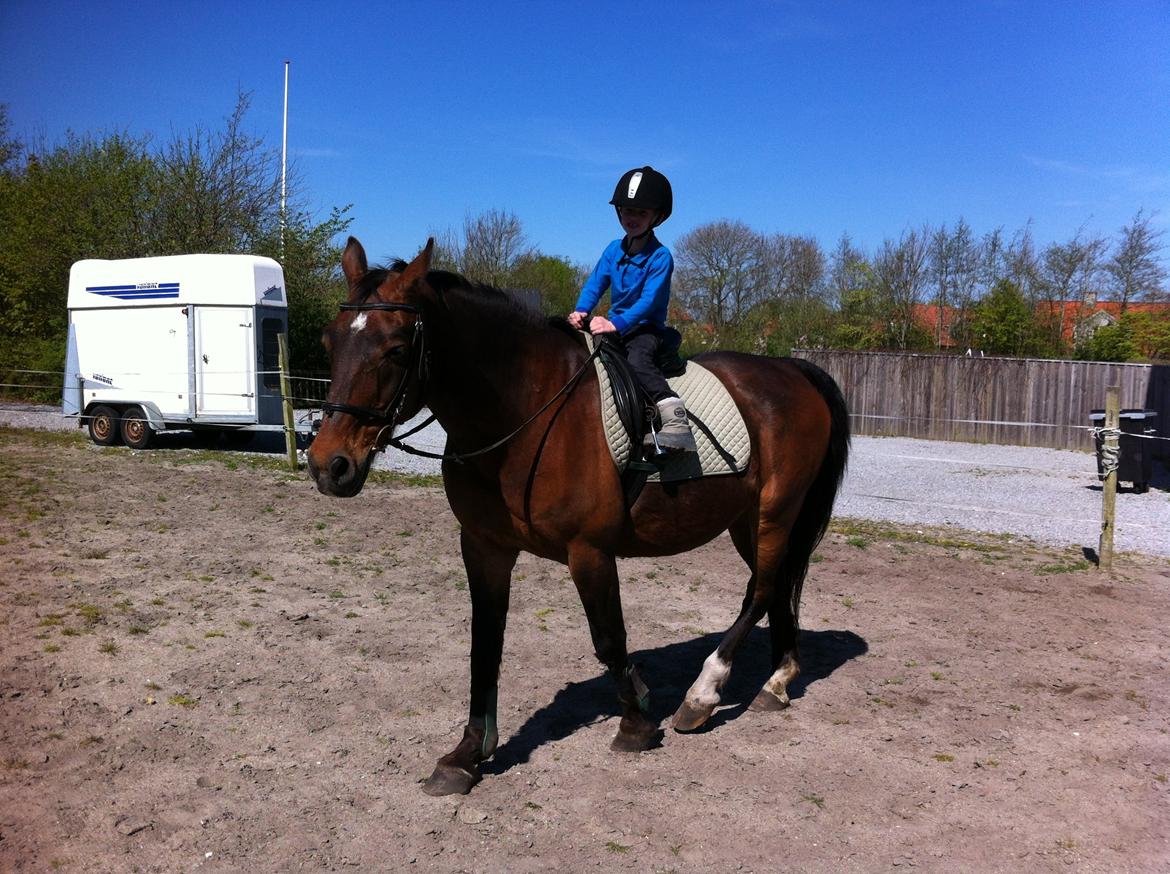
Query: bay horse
(527,468)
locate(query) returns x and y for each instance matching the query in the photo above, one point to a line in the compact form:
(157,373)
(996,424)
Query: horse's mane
(510,311)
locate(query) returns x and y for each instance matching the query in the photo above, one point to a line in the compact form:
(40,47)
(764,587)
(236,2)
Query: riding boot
(675,434)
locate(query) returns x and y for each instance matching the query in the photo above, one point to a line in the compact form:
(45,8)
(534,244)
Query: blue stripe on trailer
(153,291)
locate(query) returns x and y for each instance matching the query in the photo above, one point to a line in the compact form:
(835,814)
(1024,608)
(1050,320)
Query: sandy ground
(206,665)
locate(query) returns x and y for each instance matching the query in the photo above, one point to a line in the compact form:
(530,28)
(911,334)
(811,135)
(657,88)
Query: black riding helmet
(644,188)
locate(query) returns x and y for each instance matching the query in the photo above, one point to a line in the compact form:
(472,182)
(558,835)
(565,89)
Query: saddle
(724,446)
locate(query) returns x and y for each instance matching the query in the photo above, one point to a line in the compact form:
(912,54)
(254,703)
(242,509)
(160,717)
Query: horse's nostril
(338,467)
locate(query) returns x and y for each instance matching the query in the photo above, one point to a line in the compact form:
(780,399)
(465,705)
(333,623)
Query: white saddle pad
(720,432)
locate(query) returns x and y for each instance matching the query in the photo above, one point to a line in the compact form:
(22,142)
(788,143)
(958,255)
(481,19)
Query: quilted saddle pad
(720,432)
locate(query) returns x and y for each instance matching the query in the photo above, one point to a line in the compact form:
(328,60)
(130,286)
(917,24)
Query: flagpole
(283,160)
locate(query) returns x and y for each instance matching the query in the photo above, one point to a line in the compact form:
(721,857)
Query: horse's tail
(815,513)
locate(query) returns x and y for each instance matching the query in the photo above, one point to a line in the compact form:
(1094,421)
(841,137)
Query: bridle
(389,415)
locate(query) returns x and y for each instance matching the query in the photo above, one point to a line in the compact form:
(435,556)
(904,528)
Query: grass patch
(1063,567)
(615,847)
(91,613)
(109,647)
(943,757)
(424,480)
(181,700)
(875,530)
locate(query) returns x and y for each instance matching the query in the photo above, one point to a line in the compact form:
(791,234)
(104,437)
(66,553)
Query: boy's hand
(577,320)
(601,325)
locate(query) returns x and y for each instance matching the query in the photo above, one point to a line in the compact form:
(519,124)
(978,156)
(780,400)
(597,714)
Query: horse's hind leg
(489,576)
(705,693)
(595,574)
(784,625)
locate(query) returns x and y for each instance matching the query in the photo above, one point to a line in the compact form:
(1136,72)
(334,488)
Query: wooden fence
(1013,401)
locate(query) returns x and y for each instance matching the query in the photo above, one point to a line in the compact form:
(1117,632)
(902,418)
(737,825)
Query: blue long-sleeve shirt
(638,285)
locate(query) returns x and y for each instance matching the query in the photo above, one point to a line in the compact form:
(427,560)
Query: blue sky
(795,117)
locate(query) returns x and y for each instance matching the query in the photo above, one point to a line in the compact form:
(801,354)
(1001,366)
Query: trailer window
(271,329)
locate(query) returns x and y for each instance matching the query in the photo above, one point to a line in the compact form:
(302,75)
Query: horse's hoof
(766,701)
(636,741)
(450,780)
(688,718)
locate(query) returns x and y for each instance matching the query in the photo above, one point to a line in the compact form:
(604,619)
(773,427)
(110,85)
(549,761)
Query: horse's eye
(396,353)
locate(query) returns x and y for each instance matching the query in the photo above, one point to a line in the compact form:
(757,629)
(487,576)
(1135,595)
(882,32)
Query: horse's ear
(418,268)
(353,263)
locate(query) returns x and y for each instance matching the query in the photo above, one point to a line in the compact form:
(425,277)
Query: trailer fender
(153,416)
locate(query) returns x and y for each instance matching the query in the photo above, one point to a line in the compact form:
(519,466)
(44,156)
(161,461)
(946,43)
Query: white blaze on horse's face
(358,324)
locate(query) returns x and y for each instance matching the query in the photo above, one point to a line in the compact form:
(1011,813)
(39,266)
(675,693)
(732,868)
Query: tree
(1135,269)
(1067,274)
(954,262)
(1109,343)
(720,273)
(556,279)
(85,198)
(901,274)
(10,149)
(493,244)
(1150,333)
(1003,323)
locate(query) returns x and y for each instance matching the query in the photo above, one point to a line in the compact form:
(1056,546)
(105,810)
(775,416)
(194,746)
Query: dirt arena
(207,665)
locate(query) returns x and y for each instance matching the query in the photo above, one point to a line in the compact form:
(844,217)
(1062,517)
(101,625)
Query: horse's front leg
(489,577)
(595,574)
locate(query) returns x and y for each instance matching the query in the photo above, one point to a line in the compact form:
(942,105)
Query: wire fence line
(311,389)
(325,381)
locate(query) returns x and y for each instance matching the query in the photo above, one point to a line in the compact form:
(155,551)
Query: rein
(418,361)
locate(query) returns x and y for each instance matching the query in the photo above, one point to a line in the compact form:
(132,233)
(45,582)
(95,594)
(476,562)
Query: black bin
(1135,464)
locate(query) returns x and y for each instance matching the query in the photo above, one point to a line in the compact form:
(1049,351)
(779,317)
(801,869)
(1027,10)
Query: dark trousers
(641,345)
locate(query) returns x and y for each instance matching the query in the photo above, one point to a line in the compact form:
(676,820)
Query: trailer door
(225,363)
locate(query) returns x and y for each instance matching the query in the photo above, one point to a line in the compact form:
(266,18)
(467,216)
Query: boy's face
(636,221)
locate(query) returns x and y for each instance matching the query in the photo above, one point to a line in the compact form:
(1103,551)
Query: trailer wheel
(136,431)
(103,426)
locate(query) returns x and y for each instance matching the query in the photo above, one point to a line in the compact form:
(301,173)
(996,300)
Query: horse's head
(377,362)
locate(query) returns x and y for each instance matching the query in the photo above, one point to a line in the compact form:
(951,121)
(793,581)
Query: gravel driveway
(1048,495)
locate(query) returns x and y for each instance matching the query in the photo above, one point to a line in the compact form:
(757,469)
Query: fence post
(1110,457)
(290,431)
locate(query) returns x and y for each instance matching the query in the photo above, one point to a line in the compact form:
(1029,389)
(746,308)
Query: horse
(527,468)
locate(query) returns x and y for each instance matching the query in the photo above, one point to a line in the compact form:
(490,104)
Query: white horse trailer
(184,341)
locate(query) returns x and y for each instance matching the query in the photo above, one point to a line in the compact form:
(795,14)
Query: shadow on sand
(669,671)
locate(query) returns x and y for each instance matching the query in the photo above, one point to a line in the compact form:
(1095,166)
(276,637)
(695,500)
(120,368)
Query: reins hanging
(397,443)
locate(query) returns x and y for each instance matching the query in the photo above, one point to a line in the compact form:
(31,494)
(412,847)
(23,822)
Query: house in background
(1079,320)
